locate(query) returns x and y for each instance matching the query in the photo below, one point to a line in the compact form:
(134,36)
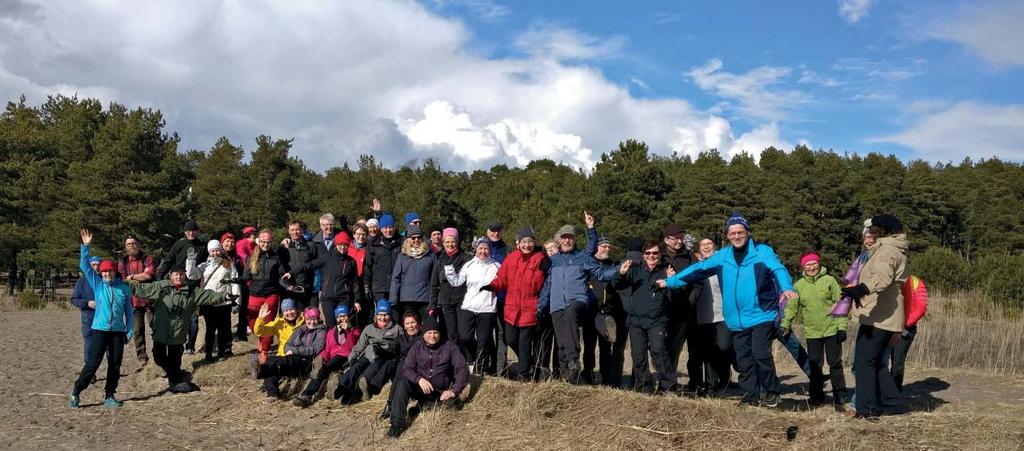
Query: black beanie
(525,232)
(429,324)
(635,244)
(888,223)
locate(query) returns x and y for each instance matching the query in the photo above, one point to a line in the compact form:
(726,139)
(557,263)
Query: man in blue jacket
(566,295)
(751,276)
(83,298)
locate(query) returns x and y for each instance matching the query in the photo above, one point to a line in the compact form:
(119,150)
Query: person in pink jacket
(340,341)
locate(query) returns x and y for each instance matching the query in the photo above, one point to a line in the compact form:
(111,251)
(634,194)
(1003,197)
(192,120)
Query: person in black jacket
(263,270)
(297,251)
(444,296)
(646,307)
(682,311)
(339,278)
(610,320)
(188,248)
(380,259)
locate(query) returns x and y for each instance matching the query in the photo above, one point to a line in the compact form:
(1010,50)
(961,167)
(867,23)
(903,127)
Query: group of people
(378,303)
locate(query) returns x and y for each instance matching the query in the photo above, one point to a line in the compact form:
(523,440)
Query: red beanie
(809,257)
(227,235)
(107,265)
(342,237)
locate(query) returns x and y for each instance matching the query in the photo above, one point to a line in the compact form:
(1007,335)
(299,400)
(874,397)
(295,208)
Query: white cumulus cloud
(853,11)
(989,28)
(966,129)
(756,92)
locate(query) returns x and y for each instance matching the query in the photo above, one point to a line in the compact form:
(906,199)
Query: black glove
(855,292)
(841,335)
(487,287)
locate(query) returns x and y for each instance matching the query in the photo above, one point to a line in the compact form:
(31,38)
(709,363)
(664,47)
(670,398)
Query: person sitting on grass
(303,346)
(376,352)
(267,326)
(411,333)
(174,303)
(340,341)
(111,325)
(824,333)
(434,370)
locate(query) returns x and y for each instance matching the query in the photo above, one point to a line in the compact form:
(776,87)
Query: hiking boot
(386,414)
(394,431)
(112,402)
(209,359)
(364,387)
(840,406)
(254,366)
(750,399)
(771,400)
(190,351)
(302,401)
(182,387)
(227,354)
(73,402)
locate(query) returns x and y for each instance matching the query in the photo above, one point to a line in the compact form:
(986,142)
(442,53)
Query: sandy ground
(42,350)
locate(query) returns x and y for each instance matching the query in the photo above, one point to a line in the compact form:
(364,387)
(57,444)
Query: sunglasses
(652,253)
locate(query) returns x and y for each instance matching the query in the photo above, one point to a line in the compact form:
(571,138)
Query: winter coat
(645,303)
(113,299)
(244,248)
(178,255)
(266,280)
(214,271)
(522,276)
(339,276)
(173,308)
(129,266)
(277,327)
(410,278)
(307,342)
(709,306)
(884,273)
(687,297)
(376,343)
(818,294)
(442,365)
(359,255)
(340,343)
(606,295)
(380,263)
(566,281)
(80,297)
(442,292)
(298,253)
(474,275)
(750,289)
(405,342)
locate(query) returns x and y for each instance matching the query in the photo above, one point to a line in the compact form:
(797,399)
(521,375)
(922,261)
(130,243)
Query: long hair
(254,259)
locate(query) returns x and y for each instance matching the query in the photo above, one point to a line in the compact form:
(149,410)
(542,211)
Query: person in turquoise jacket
(751,276)
(111,325)
(819,292)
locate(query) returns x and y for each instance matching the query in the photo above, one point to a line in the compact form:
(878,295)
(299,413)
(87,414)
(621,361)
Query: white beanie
(213,244)
(371,222)
(867,225)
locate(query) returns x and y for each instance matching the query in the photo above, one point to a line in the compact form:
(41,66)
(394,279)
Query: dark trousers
(450,319)
(102,342)
(611,348)
(304,299)
(876,391)
(86,333)
(754,360)
(498,337)
(141,317)
(818,349)
(168,358)
(404,391)
(520,339)
(193,333)
(544,349)
(715,343)
(327,306)
(476,338)
(218,328)
(401,309)
(278,367)
(377,374)
(243,314)
(675,337)
(650,340)
(320,371)
(898,354)
(569,325)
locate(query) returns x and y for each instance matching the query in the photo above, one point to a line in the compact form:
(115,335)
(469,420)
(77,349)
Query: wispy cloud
(965,129)
(546,39)
(853,11)
(664,18)
(756,92)
(881,70)
(486,10)
(811,77)
(989,28)
(639,83)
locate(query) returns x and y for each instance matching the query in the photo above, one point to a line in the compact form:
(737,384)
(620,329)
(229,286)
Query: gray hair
(328,217)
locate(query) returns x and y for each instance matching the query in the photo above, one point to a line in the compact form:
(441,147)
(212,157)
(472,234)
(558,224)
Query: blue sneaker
(112,402)
(73,402)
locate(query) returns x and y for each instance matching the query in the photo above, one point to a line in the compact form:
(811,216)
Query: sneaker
(750,399)
(73,402)
(364,387)
(254,366)
(394,431)
(209,359)
(771,400)
(112,402)
(302,401)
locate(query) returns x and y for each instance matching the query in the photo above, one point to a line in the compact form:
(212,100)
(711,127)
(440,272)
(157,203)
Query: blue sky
(474,83)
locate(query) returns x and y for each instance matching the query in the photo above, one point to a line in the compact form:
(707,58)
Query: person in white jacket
(218,274)
(476,315)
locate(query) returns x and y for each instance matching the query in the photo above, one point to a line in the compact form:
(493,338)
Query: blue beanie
(307,235)
(288,304)
(737,218)
(341,310)
(386,221)
(411,216)
(383,306)
(94,259)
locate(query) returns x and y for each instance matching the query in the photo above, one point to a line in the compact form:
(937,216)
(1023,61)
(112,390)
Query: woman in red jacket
(522,275)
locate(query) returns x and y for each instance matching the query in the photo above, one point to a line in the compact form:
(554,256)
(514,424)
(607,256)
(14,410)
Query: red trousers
(255,302)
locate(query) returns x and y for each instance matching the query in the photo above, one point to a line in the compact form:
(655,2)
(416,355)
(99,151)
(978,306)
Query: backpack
(915,301)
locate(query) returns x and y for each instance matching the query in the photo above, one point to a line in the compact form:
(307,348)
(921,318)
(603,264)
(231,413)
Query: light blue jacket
(750,290)
(113,299)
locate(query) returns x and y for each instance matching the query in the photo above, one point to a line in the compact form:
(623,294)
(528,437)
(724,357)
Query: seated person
(434,370)
(340,341)
(410,335)
(303,346)
(281,327)
(376,352)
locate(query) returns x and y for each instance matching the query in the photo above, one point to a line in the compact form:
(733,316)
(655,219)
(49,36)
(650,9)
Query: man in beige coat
(879,309)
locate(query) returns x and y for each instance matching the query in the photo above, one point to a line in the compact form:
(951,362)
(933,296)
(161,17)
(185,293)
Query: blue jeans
(797,351)
(193,333)
(86,333)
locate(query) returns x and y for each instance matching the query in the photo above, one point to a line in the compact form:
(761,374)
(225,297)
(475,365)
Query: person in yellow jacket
(879,310)
(280,327)
(824,333)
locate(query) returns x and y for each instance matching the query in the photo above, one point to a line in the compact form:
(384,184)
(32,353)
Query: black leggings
(218,328)
(520,339)
(477,340)
(168,358)
(102,342)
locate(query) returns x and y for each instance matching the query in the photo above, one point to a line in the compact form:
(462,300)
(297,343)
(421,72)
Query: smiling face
(411,326)
(495,234)
(483,251)
(432,337)
(526,245)
(737,235)
(108,275)
(375,229)
(228,244)
(388,232)
(566,243)
(295,232)
(178,278)
(869,239)
(435,237)
(551,248)
(382,320)
(343,321)
(216,253)
(290,315)
(674,242)
(327,227)
(450,244)
(264,241)
(652,256)
(603,250)
(812,268)
(707,248)
(359,235)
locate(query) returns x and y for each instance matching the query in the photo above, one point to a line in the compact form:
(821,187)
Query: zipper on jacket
(735,300)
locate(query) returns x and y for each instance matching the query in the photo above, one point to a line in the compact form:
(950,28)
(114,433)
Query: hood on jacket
(822,271)
(899,241)
(413,251)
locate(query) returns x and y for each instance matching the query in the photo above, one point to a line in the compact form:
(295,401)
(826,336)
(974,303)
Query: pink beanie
(450,232)
(809,257)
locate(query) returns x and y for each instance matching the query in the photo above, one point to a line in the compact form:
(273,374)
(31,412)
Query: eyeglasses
(652,253)
(673,238)
(416,238)
(736,234)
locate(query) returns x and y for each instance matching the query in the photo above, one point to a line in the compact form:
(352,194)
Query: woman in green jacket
(825,333)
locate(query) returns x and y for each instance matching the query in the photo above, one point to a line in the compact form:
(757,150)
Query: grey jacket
(411,277)
(376,343)
(307,342)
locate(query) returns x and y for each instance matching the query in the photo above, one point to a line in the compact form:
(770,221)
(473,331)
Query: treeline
(70,163)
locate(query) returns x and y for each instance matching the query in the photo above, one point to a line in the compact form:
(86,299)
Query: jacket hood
(414,251)
(899,241)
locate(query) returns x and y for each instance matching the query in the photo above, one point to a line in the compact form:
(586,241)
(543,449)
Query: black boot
(395,430)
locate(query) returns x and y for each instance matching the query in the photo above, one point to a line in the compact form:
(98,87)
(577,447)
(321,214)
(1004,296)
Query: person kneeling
(340,341)
(434,370)
(304,345)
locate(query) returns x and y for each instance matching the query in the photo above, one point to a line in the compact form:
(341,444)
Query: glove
(841,335)
(905,335)
(231,298)
(855,292)
(487,287)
